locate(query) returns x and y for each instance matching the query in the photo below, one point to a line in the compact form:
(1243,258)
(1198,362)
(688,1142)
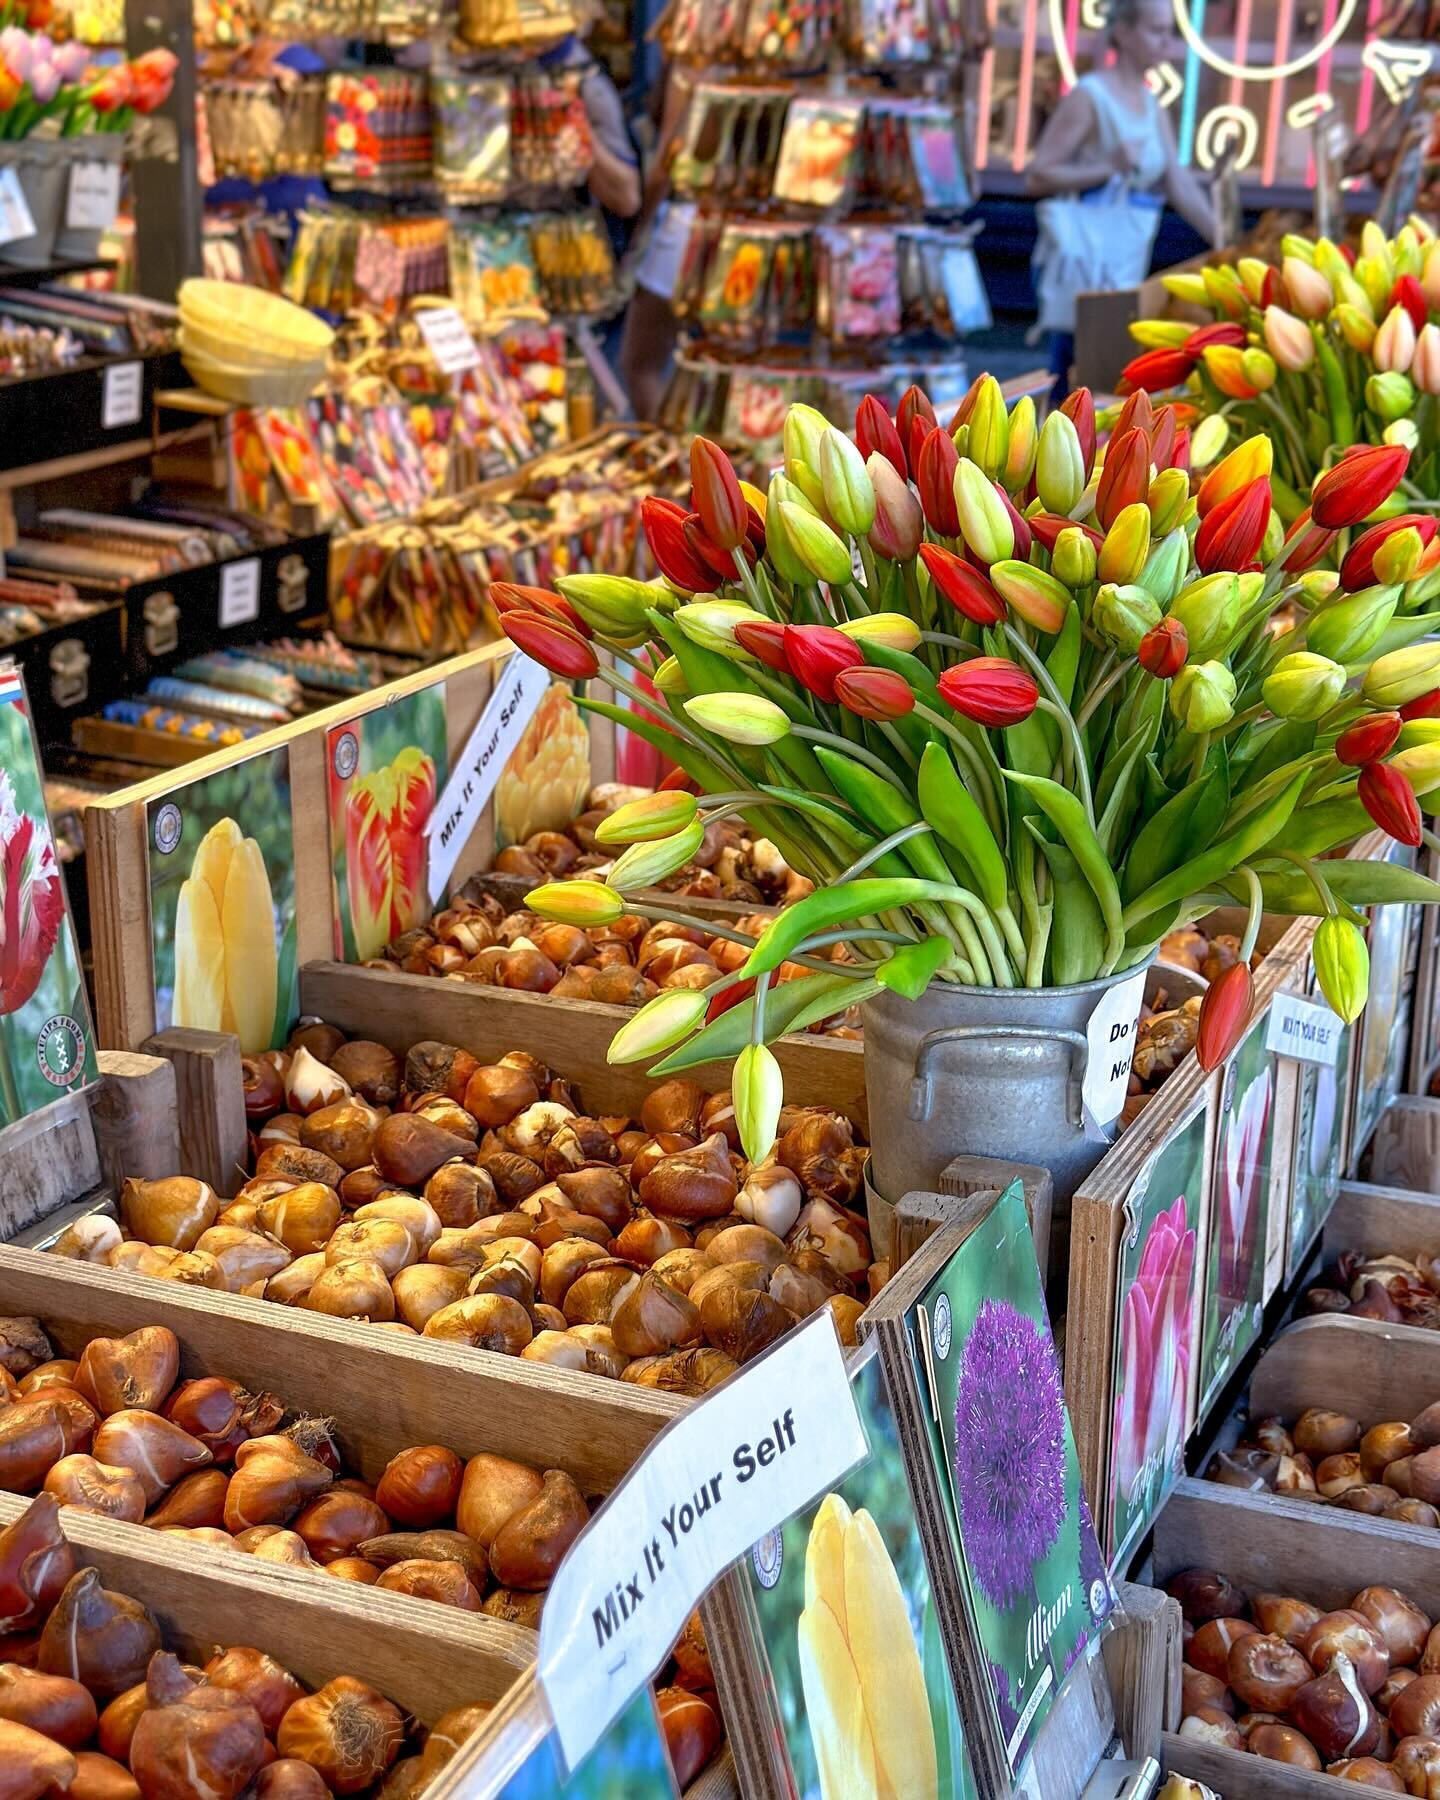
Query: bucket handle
(921,1085)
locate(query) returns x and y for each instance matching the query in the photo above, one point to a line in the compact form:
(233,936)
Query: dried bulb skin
(421,1486)
(210,1742)
(492,1490)
(257,1678)
(30,1765)
(53,1705)
(514,1607)
(743,1321)
(527,1549)
(157,1452)
(346,1731)
(449,1732)
(134,1371)
(352,1290)
(97,1487)
(98,1638)
(444,1583)
(653,1318)
(36,1564)
(99,1777)
(273,1479)
(435,1545)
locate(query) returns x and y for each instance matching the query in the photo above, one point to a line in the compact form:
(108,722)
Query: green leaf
(1220,859)
(1289,890)
(910,970)
(952,813)
(1063,662)
(1187,821)
(1067,815)
(1077,933)
(872,797)
(287,1008)
(827,907)
(1313,830)
(723,1038)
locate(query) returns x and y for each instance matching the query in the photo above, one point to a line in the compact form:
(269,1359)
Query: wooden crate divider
(1362,1367)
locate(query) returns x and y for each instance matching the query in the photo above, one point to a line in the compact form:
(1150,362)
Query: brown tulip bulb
(53,1705)
(1352,1635)
(693,1184)
(421,1486)
(30,1764)
(196,1502)
(1384,1444)
(257,1678)
(1335,1713)
(692,1731)
(1416,1760)
(1409,1511)
(1369,1498)
(1283,1743)
(494,1322)
(334,1524)
(59,1373)
(273,1479)
(526,1551)
(1209,1649)
(460,1194)
(1400,1623)
(34,1435)
(408,1149)
(347,1731)
(492,1490)
(157,1452)
(1266,1672)
(100,1777)
(172,1212)
(1284,1617)
(1208,1725)
(100,1639)
(1369,1772)
(353,1568)
(134,1371)
(97,1487)
(209,1409)
(288,1778)
(1415,1710)
(209,1742)
(301,1218)
(1334,1474)
(446,1583)
(514,1607)
(448,1734)
(36,1565)
(435,1545)
(352,1290)
(1320,1432)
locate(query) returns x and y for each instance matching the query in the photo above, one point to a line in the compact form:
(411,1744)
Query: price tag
(712,1484)
(1304,1029)
(15,217)
(94,196)
(123,391)
(449,339)
(239,592)
(519,689)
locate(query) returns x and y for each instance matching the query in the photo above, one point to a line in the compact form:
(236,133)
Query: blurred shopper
(614,180)
(1105,165)
(648,340)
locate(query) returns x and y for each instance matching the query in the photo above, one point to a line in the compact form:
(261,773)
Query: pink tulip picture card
(47,1043)
(384,771)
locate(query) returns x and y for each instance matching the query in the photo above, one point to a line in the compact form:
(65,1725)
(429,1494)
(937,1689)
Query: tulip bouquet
(1018,707)
(1327,351)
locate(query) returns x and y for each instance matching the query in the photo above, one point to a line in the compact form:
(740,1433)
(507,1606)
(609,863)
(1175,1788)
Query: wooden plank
(1142,1657)
(399,1010)
(46,1160)
(1382,1220)
(1405,1151)
(976,1174)
(1425,1021)
(1362,1367)
(210,1104)
(1236,1775)
(387,1390)
(118,877)
(424,1658)
(135,1117)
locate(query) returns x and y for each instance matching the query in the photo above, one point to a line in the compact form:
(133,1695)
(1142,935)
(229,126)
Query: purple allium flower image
(1009,1450)
(1004,1705)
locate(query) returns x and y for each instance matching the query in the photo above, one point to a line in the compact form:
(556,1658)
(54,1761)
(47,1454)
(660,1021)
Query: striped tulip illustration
(386,815)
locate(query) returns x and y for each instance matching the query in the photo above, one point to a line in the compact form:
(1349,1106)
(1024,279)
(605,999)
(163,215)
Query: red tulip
(816,654)
(704,548)
(914,405)
(1223,1015)
(1163,438)
(1163,649)
(1232,532)
(1137,414)
(1368,739)
(718,500)
(1390,801)
(1154,371)
(1019,524)
(872,693)
(1046,527)
(152,76)
(1180,455)
(1306,543)
(509,596)
(961,414)
(964,586)
(875,430)
(1407,292)
(114,89)
(1272,290)
(1363,479)
(1079,407)
(552,644)
(765,640)
(1205,336)
(1125,479)
(935,479)
(1358,569)
(664,525)
(678,782)
(989,690)
(733,995)
(1426,707)
(32,901)
(754,532)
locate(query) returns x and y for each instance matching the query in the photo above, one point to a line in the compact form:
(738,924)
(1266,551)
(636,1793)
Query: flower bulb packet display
(47,1043)
(818,150)
(857,1671)
(384,771)
(1386,1019)
(1240,1211)
(221,860)
(1037,1587)
(1155,1337)
(1320,1108)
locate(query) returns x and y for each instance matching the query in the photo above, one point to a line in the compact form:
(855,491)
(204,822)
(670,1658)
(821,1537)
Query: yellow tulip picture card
(221,858)
(47,1044)
(384,771)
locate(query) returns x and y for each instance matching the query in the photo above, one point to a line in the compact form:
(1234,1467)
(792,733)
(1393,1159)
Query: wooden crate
(1375,1219)
(1362,1367)
(1271,1544)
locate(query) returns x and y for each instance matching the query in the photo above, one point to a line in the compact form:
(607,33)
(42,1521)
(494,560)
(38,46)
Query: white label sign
(519,689)
(123,391)
(1304,1029)
(15,216)
(94,196)
(240,592)
(1111,1034)
(448,337)
(740,1463)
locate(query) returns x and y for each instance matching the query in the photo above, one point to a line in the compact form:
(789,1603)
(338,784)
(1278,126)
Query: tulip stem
(1039,943)
(757,1016)
(1257,907)
(669,914)
(973,763)
(1098,693)
(815,736)
(1061,713)
(1282,419)
(876,851)
(1307,867)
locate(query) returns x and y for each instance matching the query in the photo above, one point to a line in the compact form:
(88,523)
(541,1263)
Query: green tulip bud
(1123,614)
(779,547)
(1166,567)
(1202,696)
(1401,676)
(711,624)
(989,429)
(849,495)
(613,605)
(1024,443)
(984,522)
(652,816)
(739,718)
(1404,432)
(1209,609)
(1073,559)
(1420,763)
(582,903)
(804,430)
(1207,440)
(1390,395)
(1127,545)
(757,1089)
(1399,556)
(826,556)
(1273,541)
(892,630)
(1303,686)
(1258,367)
(669,678)
(659,1025)
(1316,586)
(1167,499)
(1059,465)
(646,865)
(1342,965)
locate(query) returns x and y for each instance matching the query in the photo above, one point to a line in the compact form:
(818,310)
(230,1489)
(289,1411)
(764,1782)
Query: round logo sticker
(767,1557)
(347,755)
(942,1327)
(168,826)
(60,1050)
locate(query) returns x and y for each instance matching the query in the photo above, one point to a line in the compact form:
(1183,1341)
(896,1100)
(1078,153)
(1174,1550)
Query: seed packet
(297,466)
(735,283)
(347,461)
(472,136)
(937,160)
(551,143)
(861,281)
(893,31)
(817,153)
(493,271)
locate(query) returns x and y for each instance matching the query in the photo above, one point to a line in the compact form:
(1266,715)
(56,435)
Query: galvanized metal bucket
(1035,1074)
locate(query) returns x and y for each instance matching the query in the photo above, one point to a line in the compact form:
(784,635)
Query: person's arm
(678,93)
(614,182)
(614,176)
(1068,159)
(1184,189)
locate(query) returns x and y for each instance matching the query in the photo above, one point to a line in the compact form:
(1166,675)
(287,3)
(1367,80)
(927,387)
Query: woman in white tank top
(1110,125)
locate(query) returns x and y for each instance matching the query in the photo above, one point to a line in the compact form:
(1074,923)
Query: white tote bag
(1090,244)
